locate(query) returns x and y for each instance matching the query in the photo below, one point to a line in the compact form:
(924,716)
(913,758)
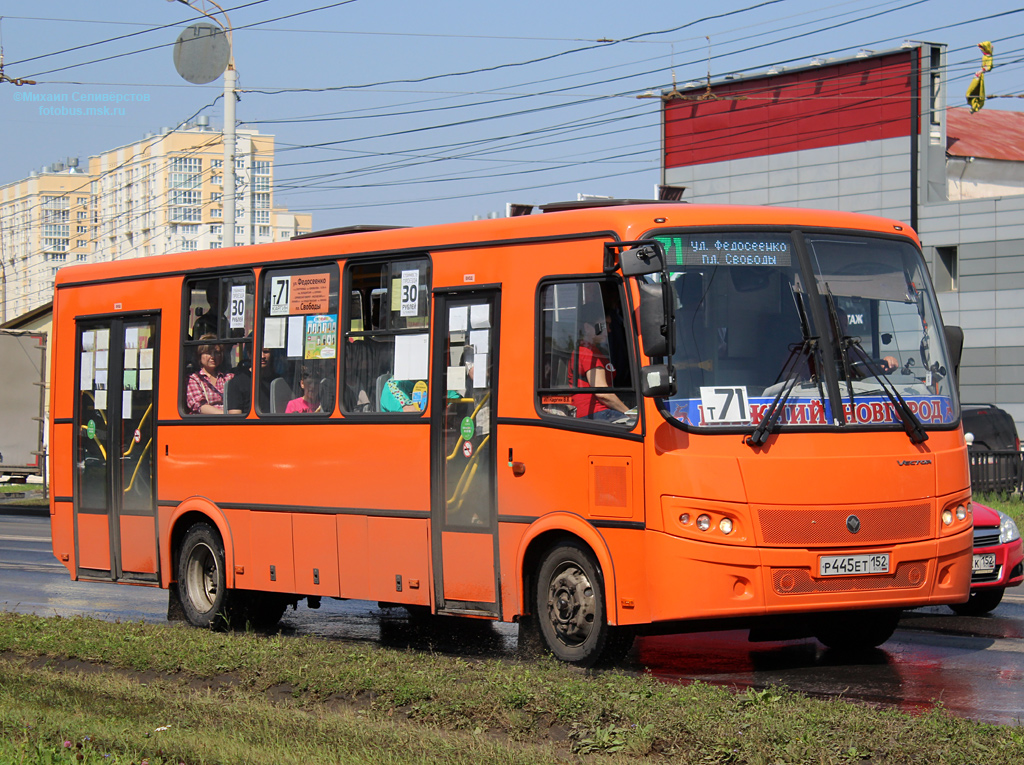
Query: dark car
(994,448)
(998,560)
(993,428)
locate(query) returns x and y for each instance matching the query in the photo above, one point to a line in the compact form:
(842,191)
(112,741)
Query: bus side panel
(513,601)
(273,564)
(630,600)
(62,533)
(353,544)
(467,559)
(138,553)
(316,554)
(397,560)
(94,541)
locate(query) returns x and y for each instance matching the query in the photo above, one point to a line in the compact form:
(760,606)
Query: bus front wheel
(980,602)
(858,630)
(202,584)
(570,609)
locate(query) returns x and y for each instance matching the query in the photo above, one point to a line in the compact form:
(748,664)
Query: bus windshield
(749,336)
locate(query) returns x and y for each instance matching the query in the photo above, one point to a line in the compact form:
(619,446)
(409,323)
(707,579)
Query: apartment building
(163,193)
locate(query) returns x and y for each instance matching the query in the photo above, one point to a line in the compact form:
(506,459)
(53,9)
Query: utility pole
(207,69)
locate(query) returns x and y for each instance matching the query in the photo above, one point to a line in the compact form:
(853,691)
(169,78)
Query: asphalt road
(974,666)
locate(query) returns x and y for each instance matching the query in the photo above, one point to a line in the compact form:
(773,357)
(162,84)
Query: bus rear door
(115,423)
(464,517)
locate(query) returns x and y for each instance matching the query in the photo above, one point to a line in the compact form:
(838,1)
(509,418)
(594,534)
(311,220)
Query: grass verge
(82,690)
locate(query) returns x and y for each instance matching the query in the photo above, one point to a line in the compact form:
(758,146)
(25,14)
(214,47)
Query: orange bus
(600,420)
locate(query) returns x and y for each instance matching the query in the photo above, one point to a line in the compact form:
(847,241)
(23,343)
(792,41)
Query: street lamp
(230,78)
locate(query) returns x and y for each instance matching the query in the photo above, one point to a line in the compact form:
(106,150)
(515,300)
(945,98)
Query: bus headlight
(703,522)
(725,525)
(684,518)
(947,517)
(961,512)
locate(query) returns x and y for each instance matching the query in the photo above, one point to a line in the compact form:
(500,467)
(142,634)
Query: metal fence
(1000,472)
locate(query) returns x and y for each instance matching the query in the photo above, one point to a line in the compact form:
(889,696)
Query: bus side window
(298,321)
(387,331)
(217,349)
(585,367)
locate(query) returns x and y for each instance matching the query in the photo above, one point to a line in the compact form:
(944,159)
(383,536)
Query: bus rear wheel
(202,582)
(570,609)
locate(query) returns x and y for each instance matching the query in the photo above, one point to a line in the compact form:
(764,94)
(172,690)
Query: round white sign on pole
(201,53)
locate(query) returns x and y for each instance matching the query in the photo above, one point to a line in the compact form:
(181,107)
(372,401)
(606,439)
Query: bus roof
(627,221)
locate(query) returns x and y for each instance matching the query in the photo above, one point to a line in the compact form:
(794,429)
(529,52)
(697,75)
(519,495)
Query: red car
(998,560)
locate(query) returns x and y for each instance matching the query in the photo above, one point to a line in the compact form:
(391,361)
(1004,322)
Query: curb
(30,510)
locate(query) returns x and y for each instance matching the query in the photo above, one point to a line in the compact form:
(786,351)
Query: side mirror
(657,380)
(656,320)
(640,261)
(955,344)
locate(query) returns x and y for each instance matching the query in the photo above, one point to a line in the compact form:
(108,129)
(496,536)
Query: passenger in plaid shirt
(204,393)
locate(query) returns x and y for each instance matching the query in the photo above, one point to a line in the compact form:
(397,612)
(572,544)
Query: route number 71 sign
(725,404)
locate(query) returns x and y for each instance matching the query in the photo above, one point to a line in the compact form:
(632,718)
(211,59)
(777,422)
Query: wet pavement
(973,666)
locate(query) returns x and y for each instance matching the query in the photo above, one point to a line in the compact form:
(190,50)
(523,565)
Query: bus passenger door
(115,468)
(464,524)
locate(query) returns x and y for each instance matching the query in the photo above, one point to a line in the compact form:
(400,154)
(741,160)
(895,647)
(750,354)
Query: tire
(570,609)
(202,585)
(857,630)
(980,602)
(262,610)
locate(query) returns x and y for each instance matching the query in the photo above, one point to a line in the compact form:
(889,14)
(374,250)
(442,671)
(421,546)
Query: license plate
(852,565)
(984,563)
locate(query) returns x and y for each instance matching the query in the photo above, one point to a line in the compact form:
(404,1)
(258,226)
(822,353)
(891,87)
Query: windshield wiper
(844,343)
(913,427)
(774,411)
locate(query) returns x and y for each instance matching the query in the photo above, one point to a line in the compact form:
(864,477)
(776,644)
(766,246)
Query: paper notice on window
(145,379)
(457,379)
(100,399)
(412,357)
(126,405)
(86,367)
(101,359)
(131,379)
(296,336)
(311,293)
(88,341)
(146,358)
(131,337)
(131,358)
(480,339)
(274,332)
(236,316)
(480,371)
(458,318)
(100,379)
(102,339)
(480,316)
(280,296)
(410,292)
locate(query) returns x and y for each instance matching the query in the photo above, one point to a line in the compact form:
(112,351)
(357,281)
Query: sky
(410,113)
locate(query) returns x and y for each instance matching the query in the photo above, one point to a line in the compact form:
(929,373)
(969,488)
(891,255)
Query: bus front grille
(827,526)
